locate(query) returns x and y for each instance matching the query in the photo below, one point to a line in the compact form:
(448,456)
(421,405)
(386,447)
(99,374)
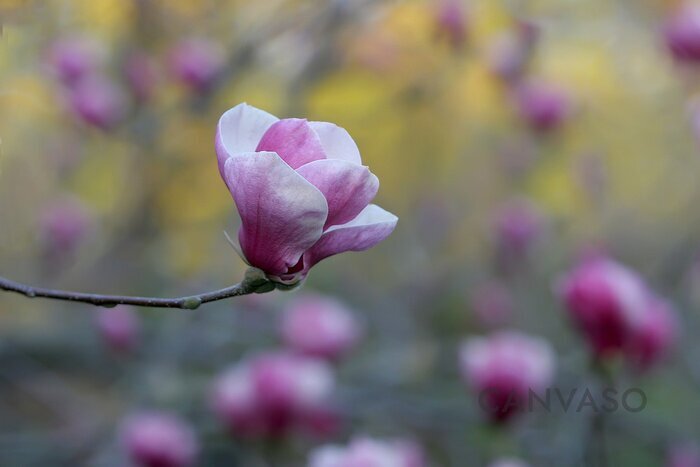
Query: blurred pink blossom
(73,58)
(301,191)
(682,33)
(156,439)
(197,62)
(653,335)
(119,327)
(451,22)
(99,102)
(543,106)
(63,225)
(605,300)
(320,326)
(273,393)
(509,54)
(368,452)
(683,455)
(504,368)
(518,224)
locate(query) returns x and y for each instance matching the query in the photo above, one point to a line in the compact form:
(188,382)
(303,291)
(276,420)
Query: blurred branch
(253,282)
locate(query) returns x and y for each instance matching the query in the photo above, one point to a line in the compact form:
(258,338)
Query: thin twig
(254,282)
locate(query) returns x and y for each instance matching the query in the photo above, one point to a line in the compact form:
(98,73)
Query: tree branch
(254,282)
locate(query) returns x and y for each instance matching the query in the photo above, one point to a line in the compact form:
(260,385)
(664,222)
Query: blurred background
(511,138)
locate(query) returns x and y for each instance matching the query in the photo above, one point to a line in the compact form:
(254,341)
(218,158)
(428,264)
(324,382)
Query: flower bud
(97,101)
(504,368)
(682,33)
(197,63)
(683,455)
(652,335)
(509,54)
(451,23)
(272,393)
(301,190)
(63,226)
(543,106)
(605,301)
(159,440)
(517,226)
(119,327)
(320,326)
(72,59)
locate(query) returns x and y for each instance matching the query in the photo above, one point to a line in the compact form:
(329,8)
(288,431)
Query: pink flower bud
(504,368)
(510,52)
(97,101)
(682,33)
(159,440)
(451,22)
(301,191)
(543,106)
(368,452)
(653,335)
(72,59)
(492,303)
(517,226)
(683,455)
(320,326)
(63,225)
(119,327)
(141,75)
(272,393)
(197,63)
(606,301)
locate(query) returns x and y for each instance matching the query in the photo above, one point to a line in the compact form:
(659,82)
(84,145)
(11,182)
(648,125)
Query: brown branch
(254,282)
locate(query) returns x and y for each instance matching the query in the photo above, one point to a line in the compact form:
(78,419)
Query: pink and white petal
(370,227)
(337,142)
(240,130)
(294,141)
(282,214)
(348,187)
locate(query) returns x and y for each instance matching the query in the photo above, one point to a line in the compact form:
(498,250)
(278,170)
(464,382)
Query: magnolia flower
(368,452)
(271,393)
(72,59)
(301,191)
(543,106)
(504,369)
(682,33)
(119,327)
(63,225)
(97,101)
(159,440)
(517,226)
(320,326)
(508,55)
(605,301)
(197,63)
(451,22)
(683,455)
(652,335)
